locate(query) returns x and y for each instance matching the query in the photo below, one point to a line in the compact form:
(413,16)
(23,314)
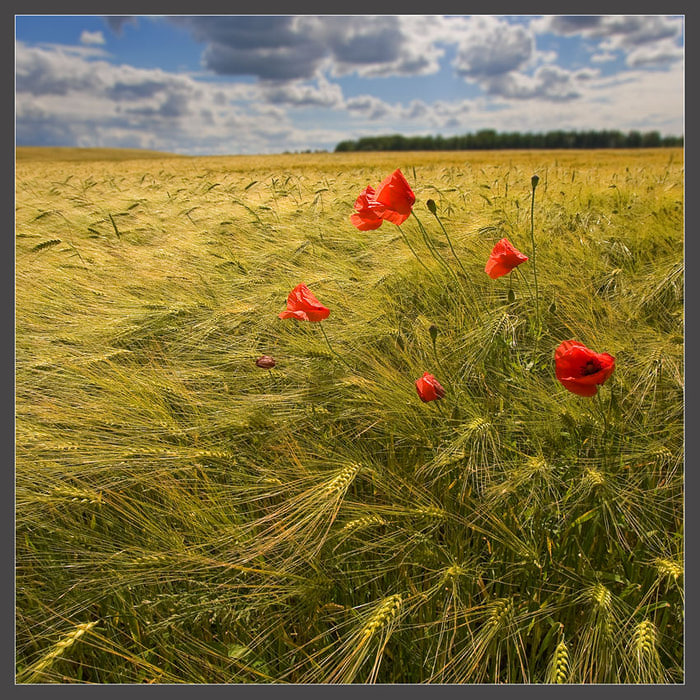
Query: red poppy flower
(368,216)
(429,388)
(504,258)
(302,305)
(396,196)
(580,369)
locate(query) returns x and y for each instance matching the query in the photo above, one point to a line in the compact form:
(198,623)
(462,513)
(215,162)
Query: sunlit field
(184,515)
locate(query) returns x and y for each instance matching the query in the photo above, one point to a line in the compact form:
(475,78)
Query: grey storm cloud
(293,47)
(132,91)
(574,24)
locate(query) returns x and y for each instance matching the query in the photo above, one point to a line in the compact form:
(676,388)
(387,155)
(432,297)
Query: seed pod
(266,362)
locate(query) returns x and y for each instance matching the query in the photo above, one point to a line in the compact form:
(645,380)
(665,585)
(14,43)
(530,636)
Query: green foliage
(184,516)
(489,139)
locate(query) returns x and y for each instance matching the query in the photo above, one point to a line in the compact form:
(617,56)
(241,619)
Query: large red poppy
(302,305)
(392,201)
(504,258)
(368,214)
(429,388)
(580,369)
(397,197)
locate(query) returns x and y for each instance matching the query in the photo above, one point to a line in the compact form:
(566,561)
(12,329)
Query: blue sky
(203,84)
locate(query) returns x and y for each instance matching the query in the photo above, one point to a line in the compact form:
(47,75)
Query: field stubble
(184,516)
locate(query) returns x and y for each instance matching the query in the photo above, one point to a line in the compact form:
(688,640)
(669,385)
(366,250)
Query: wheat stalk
(33,673)
(559,668)
(644,650)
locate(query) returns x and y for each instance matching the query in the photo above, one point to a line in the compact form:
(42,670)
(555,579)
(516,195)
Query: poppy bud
(266,362)
(433,330)
(431,205)
(511,295)
(535,180)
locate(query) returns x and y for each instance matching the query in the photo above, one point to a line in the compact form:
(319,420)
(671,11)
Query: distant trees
(490,139)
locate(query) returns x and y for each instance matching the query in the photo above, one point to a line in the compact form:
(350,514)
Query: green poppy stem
(412,249)
(330,347)
(431,247)
(527,284)
(535,180)
(440,408)
(444,230)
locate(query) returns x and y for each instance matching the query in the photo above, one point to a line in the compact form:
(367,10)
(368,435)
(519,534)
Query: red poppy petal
(567,346)
(395,192)
(495,268)
(298,315)
(394,217)
(315,315)
(580,389)
(365,223)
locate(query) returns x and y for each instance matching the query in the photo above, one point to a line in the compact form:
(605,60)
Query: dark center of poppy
(591,367)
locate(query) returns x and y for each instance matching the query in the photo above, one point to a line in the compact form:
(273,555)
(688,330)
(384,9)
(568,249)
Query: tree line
(491,139)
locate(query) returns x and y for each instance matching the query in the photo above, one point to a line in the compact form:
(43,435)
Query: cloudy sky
(266,84)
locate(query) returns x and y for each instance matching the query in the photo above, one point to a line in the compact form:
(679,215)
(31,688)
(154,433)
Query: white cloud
(64,98)
(96,38)
(659,54)
(75,95)
(647,40)
(604,57)
(304,94)
(492,47)
(549,83)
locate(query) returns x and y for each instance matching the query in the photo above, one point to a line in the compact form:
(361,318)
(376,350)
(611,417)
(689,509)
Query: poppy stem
(412,249)
(535,180)
(444,230)
(433,250)
(527,284)
(603,413)
(330,347)
(442,369)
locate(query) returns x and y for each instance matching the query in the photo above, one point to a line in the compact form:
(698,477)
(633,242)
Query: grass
(183,516)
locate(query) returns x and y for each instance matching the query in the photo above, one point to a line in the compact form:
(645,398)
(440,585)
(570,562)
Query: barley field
(184,515)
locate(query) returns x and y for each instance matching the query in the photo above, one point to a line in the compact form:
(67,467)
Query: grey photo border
(358,7)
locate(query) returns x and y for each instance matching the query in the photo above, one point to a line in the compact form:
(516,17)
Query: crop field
(185,515)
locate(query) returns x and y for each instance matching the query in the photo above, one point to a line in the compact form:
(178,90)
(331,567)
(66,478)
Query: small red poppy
(580,369)
(429,388)
(302,305)
(368,211)
(504,258)
(397,197)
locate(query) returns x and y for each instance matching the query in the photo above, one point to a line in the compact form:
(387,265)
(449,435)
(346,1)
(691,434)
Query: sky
(247,84)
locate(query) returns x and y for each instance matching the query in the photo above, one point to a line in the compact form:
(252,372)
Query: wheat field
(185,516)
